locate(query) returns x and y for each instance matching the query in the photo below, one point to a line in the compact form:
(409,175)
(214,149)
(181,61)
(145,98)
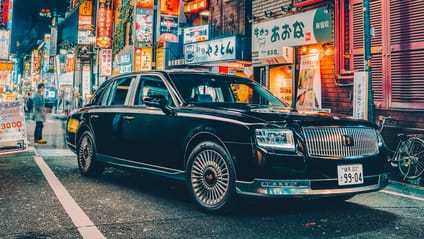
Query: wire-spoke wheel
(412,164)
(211,177)
(87,163)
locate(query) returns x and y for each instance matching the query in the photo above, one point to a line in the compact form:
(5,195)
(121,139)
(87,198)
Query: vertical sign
(144,27)
(104,24)
(160,59)
(85,22)
(4,12)
(105,62)
(309,84)
(169,11)
(360,95)
(86,84)
(142,59)
(4,44)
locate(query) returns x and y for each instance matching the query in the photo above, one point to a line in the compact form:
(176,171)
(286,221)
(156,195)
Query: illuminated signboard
(170,7)
(195,6)
(104,24)
(144,3)
(196,34)
(143,59)
(4,44)
(4,12)
(209,51)
(168,28)
(144,27)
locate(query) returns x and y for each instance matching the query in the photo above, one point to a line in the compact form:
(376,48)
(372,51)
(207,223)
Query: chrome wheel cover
(85,153)
(210,177)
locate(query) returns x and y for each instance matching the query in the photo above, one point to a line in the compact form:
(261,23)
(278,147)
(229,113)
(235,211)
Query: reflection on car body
(224,136)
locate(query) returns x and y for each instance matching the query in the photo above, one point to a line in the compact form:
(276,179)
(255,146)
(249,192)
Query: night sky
(28,26)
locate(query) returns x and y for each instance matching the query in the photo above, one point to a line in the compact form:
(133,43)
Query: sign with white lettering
(208,51)
(360,95)
(268,38)
(196,34)
(12,121)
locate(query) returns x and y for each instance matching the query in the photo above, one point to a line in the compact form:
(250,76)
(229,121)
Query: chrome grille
(340,142)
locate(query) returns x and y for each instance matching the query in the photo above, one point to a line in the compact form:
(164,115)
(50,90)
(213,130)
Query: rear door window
(118,91)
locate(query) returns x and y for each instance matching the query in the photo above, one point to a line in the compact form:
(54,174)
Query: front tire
(211,177)
(87,155)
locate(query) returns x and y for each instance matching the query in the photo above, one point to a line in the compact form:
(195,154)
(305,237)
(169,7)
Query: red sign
(301,3)
(4,16)
(104,24)
(195,6)
(144,3)
(170,7)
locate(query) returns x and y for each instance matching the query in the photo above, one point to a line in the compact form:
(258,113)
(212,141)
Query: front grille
(340,142)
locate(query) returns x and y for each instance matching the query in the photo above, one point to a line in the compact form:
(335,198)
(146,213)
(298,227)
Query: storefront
(287,54)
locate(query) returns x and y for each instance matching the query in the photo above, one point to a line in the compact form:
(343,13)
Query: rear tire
(211,178)
(412,165)
(87,156)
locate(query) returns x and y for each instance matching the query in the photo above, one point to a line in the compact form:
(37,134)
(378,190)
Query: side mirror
(158,101)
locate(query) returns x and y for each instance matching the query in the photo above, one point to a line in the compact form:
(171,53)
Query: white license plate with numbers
(350,174)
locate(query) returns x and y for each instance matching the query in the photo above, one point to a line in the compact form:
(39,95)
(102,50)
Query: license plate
(350,174)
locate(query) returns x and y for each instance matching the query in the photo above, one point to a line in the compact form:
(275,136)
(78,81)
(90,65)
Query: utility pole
(367,58)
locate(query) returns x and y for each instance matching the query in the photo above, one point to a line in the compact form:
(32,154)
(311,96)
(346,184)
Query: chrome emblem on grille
(348,140)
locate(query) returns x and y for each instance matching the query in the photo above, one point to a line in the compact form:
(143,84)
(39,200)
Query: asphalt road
(121,204)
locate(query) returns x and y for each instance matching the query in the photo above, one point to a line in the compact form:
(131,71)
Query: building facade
(396,49)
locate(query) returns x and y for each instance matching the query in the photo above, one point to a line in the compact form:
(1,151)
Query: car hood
(261,114)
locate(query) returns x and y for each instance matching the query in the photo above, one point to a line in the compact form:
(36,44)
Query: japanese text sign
(268,38)
(208,51)
(196,34)
(12,121)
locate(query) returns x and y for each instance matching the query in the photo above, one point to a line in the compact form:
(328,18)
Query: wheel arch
(202,136)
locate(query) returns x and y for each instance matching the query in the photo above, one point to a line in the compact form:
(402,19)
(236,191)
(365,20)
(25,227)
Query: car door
(106,119)
(149,134)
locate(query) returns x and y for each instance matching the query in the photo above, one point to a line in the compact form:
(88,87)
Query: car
(224,136)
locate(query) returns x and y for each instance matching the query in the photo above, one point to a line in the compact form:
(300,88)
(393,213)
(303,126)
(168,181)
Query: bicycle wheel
(411,165)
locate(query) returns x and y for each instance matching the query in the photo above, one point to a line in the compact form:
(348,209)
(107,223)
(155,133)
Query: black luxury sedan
(224,136)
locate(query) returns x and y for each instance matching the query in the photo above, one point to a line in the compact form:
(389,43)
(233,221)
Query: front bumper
(308,188)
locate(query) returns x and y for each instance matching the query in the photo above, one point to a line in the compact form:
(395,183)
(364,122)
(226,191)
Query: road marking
(55,152)
(85,226)
(402,195)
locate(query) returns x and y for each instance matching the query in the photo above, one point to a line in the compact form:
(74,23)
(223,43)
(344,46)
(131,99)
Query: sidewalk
(53,132)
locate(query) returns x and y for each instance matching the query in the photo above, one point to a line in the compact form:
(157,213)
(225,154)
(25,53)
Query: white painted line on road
(54,152)
(85,226)
(402,195)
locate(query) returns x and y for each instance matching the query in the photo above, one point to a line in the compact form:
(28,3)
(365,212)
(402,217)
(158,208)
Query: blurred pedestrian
(28,105)
(39,114)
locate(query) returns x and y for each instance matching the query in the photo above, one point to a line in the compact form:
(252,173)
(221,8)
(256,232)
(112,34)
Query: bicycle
(408,155)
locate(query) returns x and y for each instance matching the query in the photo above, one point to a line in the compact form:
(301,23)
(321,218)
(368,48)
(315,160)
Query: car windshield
(214,88)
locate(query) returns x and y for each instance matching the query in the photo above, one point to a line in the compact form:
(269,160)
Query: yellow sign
(160,59)
(86,8)
(6,66)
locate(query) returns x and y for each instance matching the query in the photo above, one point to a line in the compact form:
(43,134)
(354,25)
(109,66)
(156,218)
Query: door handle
(94,116)
(128,117)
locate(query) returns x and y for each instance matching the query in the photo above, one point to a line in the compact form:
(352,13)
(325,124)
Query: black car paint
(165,150)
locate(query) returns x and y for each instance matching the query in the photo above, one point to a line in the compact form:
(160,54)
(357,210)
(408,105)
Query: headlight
(275,138)
(72,125)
